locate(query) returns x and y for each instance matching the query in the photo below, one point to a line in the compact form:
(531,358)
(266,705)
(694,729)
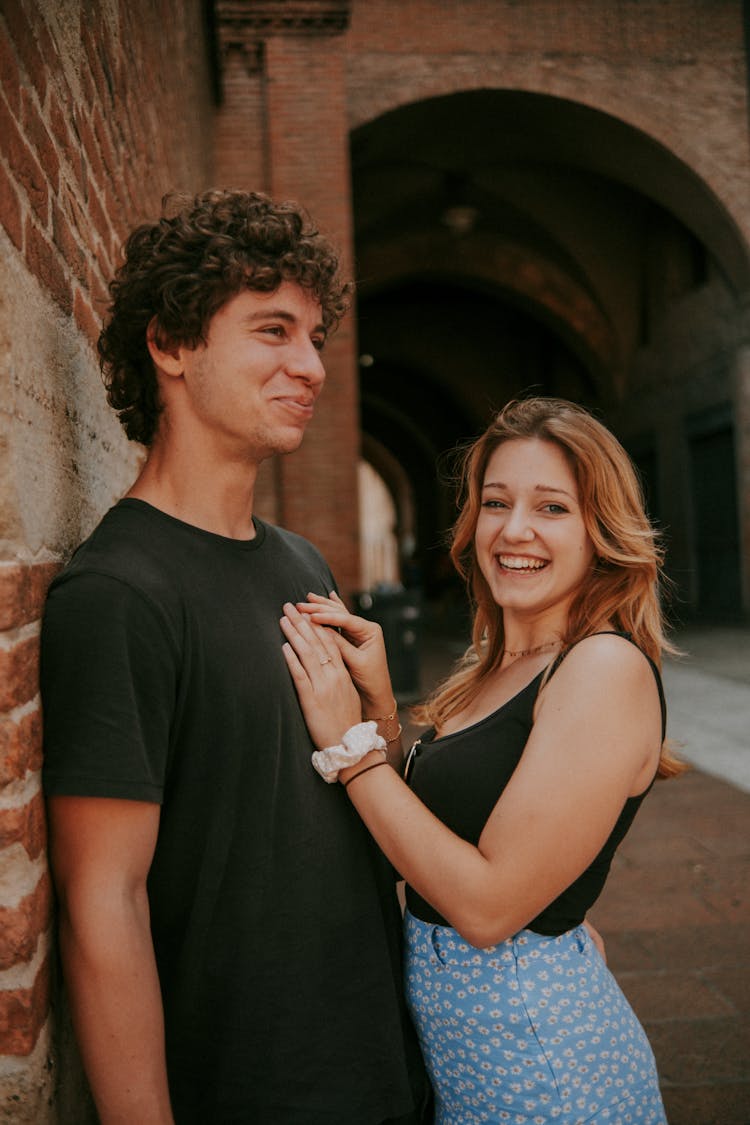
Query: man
(229,934)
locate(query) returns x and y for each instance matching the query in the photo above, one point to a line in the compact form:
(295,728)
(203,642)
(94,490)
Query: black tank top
(460,777)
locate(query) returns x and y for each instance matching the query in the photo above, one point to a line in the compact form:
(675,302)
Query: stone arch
(512,270)
(608,265)
(622,146)
(397,481)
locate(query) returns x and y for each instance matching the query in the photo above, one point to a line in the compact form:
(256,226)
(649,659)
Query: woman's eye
(555,509)
(493,504)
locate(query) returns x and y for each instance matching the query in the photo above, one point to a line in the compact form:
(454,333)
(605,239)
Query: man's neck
(217,499)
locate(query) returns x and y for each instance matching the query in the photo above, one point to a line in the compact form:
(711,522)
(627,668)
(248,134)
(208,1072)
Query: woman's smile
(522,564)
(531,541)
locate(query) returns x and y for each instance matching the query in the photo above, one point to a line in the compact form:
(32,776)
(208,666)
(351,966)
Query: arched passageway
(508,242)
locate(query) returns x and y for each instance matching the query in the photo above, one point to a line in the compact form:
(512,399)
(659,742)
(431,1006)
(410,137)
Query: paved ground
(709,700)
(676,910)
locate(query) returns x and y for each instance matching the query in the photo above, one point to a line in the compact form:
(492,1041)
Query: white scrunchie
(358,741)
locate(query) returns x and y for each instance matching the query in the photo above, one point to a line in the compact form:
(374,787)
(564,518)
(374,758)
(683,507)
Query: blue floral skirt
(532,1030)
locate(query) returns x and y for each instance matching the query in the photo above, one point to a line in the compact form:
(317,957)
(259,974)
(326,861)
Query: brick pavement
(675,916)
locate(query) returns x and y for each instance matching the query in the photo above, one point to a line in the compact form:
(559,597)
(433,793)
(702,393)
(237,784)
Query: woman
(542,746)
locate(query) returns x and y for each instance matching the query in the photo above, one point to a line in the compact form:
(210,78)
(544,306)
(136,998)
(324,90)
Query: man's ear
(166,356)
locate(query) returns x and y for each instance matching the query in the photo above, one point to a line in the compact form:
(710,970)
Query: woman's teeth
(513,562)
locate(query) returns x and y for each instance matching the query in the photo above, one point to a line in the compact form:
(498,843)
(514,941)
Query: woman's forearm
(447,871)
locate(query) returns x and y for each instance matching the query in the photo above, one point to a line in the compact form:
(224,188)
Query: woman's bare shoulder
(603,662)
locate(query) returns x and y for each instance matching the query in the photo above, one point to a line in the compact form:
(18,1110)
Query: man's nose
(306,363)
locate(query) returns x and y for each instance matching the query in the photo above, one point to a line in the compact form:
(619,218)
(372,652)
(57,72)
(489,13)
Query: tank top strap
(628,637)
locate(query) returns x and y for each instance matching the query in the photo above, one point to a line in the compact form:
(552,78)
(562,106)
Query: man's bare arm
(101,851)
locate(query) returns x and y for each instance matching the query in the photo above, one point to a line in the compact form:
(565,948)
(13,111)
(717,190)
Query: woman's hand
(597,939)
(328,698)
(361,647)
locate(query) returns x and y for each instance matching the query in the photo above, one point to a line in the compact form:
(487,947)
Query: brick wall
(24,881)
(675,73)
(308,156)
(103,108)
(675,69)
(283,128)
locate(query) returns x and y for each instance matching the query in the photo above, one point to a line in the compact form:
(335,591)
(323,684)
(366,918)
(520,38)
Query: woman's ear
(166,356)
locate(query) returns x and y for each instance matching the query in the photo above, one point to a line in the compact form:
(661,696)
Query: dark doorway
(713,475)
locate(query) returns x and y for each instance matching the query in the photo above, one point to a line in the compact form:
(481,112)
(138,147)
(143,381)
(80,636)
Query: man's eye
(275,330)
(318,342)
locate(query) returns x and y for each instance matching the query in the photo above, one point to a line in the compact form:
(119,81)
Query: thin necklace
(531,651)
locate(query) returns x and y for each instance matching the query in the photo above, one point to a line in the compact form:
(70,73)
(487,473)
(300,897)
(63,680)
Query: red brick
(23,1012)
(88,87)
(100,267)
(131,188)
(23,589)
(26,168)
(723,1104)
(88,146)
(104,140)
(732,986)
(665,996)
(77,216)
(9,74)
(114,207)
(97,55)
(44,263)
(26,46)
(20,746)
(47,48)
(25,825)
(11,218)
(39,577)
(98,291)
(86,318)
(68,148)
(21,926)
(66,243)
(36,131)
(128,116)
(693,1051)
(98,215)
(36,583)
(13,596)
(19,673)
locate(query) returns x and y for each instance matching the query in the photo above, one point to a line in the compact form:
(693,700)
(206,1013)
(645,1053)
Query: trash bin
(398,611)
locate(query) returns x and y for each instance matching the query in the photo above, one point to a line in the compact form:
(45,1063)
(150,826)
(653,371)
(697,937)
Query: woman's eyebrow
(537,488)
(551,488)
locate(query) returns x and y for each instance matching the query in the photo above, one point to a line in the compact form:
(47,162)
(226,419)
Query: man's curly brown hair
(180,270)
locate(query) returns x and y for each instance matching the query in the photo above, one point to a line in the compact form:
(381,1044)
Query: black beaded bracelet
(374,766)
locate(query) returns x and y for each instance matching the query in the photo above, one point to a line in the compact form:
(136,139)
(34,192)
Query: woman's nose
(517,525)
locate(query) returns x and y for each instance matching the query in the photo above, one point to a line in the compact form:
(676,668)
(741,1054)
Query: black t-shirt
(274,918)
(461,776)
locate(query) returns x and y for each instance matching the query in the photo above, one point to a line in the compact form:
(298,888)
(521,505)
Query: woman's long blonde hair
(622,588)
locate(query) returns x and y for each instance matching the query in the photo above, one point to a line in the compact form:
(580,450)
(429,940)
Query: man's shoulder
(120,581)
(281,539)
(125,546)
(291,540)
